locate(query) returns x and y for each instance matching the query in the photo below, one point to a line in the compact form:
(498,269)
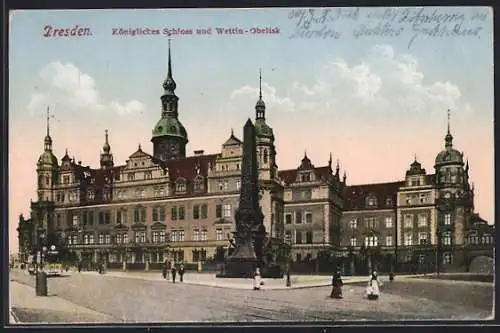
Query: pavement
(206,279)
(114,298)
(26,307)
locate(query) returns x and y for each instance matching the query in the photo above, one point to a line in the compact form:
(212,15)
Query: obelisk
(248,216)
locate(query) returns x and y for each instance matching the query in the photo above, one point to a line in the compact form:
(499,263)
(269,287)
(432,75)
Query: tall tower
(169,135)
(106,156)
(454,202)
(47,172)
(271,191)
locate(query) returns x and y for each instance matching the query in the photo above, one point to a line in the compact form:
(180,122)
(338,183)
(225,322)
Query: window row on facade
(139,215)
(299,217)
(141,236)
(371,222)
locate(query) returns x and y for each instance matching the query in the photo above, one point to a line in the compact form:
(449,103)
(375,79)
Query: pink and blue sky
(373,102)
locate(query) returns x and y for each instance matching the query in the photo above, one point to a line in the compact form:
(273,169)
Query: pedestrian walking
(373,288)
(164,270)
(256,279)
(181,273)
(174,272)
(337,285)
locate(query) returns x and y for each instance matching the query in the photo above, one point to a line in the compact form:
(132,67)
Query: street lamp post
(41,276)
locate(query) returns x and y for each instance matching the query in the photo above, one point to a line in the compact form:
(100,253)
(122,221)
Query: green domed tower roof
(170,126)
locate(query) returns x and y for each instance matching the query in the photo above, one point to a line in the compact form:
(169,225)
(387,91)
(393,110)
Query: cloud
(247,94)
(381,84)
(69,88)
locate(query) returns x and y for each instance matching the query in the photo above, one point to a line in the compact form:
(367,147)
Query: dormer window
(148,175)
(66,180)
(198,184)
(388,201)
(371,201)
(305,177)
(131,176)
(180,186)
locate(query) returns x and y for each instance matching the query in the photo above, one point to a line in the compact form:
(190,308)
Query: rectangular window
(91,194)
(85,239)
(101,217)
(226,185)
(227,210)
(238,185)
(182,212)
(371,222)
(90,218)
(288,237)
(298,217)
(408,239)
(155,214)
(422,238)
(196,234)
(298,237)
(204,211)
(107,217)
(204,235)
(174,213)
(309,237)
(219,234)
(162,236)
(101,239)
(119,217)
(408,221)
(107,239)
(371,241)
(447,258)
(76,220)
(447,238)
(353,223)
(140,237)
(388,222)
(353,241)
(388,240)
(66,180)
(91,239)
(181,236)
(218,211)
(309,217)
(125,238)
(422,220)
(196,212)
(130,177)
(447,219)
(288,218)
(156,237)
(119,239)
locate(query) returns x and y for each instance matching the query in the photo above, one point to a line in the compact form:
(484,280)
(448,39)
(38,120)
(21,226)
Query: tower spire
(48,120)
(48,140)
(448,121)
(260,107)
(169,84)
(260,83)
(448,138)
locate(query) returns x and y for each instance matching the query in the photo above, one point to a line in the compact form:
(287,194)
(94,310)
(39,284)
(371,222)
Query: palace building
(169,205)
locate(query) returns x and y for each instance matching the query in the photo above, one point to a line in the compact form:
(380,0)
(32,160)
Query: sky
(370,85)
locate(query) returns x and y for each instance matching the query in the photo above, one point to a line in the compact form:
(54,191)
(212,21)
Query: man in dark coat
(337,285)
(181,272)
(174,272)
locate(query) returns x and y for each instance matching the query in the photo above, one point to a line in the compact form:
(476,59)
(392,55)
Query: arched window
(265,155)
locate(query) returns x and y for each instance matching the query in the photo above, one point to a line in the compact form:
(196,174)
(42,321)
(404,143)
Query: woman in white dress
(373,288)
(257,279)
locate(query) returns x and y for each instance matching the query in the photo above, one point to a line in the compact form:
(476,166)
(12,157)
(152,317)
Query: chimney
(198,152)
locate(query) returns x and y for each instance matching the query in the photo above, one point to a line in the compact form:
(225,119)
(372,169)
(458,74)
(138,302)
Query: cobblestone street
(125,300)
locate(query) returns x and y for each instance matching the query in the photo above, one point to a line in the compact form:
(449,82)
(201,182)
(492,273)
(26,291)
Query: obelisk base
(242,268)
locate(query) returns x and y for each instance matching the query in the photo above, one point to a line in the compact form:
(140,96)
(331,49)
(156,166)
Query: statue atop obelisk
(250,229)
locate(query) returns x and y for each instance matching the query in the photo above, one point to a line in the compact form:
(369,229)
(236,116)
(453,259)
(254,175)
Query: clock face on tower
(173,148)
